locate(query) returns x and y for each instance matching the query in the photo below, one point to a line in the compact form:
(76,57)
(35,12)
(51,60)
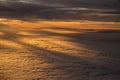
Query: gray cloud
(108,10)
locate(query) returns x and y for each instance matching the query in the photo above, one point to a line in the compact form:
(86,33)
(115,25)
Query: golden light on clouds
(59,39)
(84,24)
(1,33)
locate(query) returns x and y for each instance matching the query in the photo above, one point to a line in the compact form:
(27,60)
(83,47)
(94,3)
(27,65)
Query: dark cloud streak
(107,10)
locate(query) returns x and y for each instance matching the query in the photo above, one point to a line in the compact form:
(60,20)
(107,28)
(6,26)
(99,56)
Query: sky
(58,12)
(61,10)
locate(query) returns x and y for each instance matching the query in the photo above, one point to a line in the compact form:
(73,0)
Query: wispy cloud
(107,10)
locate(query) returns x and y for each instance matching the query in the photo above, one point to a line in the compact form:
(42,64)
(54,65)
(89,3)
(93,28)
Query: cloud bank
(98,10)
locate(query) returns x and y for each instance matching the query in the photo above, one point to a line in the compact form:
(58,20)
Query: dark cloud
(108,10)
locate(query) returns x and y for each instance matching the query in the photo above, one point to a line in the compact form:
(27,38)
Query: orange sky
(71,24)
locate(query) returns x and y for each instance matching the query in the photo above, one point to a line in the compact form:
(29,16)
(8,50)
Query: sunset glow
(76,24)
(59,39)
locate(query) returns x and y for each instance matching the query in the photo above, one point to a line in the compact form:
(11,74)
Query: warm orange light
(1,33)
(79,24)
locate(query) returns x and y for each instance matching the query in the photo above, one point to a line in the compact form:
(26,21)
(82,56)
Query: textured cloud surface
(99,10)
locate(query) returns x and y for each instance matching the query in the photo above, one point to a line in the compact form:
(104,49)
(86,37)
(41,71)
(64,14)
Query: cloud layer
(108,10)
